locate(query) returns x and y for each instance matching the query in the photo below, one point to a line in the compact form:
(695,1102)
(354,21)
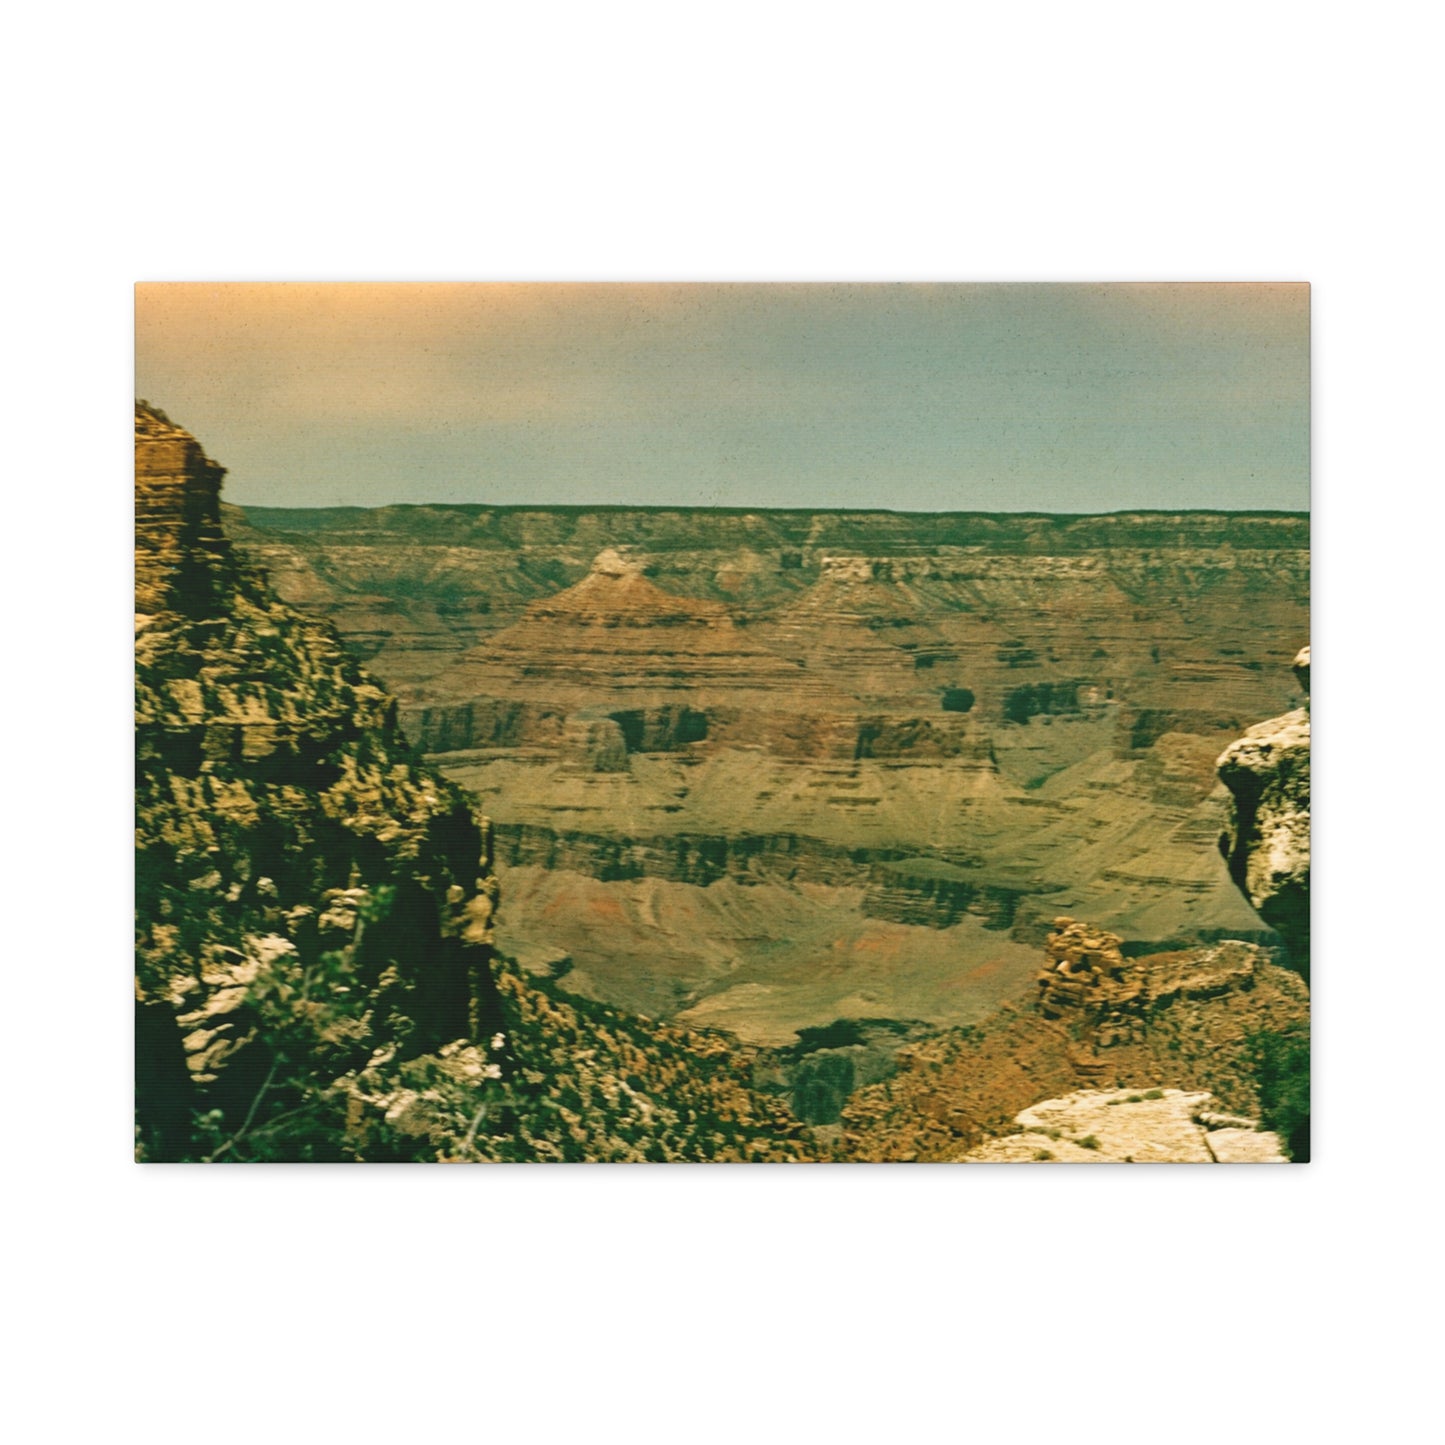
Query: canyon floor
(769,770)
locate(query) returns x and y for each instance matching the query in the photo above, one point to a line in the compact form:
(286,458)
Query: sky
(1055,398)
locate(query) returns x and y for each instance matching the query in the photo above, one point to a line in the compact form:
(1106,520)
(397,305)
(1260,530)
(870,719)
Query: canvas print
(722,723)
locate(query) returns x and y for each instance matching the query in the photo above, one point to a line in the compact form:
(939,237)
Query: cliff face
(306,895)
(1266,841)
(180,550)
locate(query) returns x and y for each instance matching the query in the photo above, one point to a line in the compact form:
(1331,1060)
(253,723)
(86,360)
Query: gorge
(728,843)
(767,770)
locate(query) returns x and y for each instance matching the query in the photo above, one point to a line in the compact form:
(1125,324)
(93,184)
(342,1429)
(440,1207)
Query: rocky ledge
(1130,1126)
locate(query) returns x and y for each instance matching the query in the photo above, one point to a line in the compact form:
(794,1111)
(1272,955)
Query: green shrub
(1281,1063)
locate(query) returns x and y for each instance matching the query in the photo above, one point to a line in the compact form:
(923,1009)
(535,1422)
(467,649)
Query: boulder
(1266,841)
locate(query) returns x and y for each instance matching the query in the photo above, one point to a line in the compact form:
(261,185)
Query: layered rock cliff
(181,553)
(289,847)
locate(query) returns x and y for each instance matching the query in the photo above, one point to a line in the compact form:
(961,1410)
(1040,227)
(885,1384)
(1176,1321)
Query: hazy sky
(930,397)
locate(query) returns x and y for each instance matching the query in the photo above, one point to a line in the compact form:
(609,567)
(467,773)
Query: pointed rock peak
(611,563)
(616,587)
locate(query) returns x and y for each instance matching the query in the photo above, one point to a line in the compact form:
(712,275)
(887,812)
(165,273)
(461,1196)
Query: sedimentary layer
(954,722)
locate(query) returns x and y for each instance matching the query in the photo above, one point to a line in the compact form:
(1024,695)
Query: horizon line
(778,511)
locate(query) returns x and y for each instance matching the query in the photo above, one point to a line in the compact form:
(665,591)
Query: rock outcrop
(307,896)
(1154,1126)
(180,549)
(1192,1020)
(1266,841)
(1107,1000)
(1084,973)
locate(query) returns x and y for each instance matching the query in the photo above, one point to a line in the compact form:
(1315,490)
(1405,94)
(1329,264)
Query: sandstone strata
(963,725)
(1267,835)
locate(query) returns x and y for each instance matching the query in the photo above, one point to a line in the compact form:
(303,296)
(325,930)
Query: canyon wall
(287,845)
(766,769)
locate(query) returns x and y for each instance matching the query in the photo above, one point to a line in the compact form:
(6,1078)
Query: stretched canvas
(722,723)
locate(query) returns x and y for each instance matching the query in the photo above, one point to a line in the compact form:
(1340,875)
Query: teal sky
(1069,398)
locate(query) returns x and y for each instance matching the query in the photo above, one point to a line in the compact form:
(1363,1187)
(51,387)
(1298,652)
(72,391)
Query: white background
(649,141)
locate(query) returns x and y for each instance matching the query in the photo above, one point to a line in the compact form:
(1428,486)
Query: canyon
(765,771)
(761,864)
(315,970)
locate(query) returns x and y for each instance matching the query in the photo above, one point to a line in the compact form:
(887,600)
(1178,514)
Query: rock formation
(315,972)
(287,844)
(1266,841)
(961,726)
(616,637)
(1157,1126)
(180,550)
(1191,1019)
(1085,973)
(822,783)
